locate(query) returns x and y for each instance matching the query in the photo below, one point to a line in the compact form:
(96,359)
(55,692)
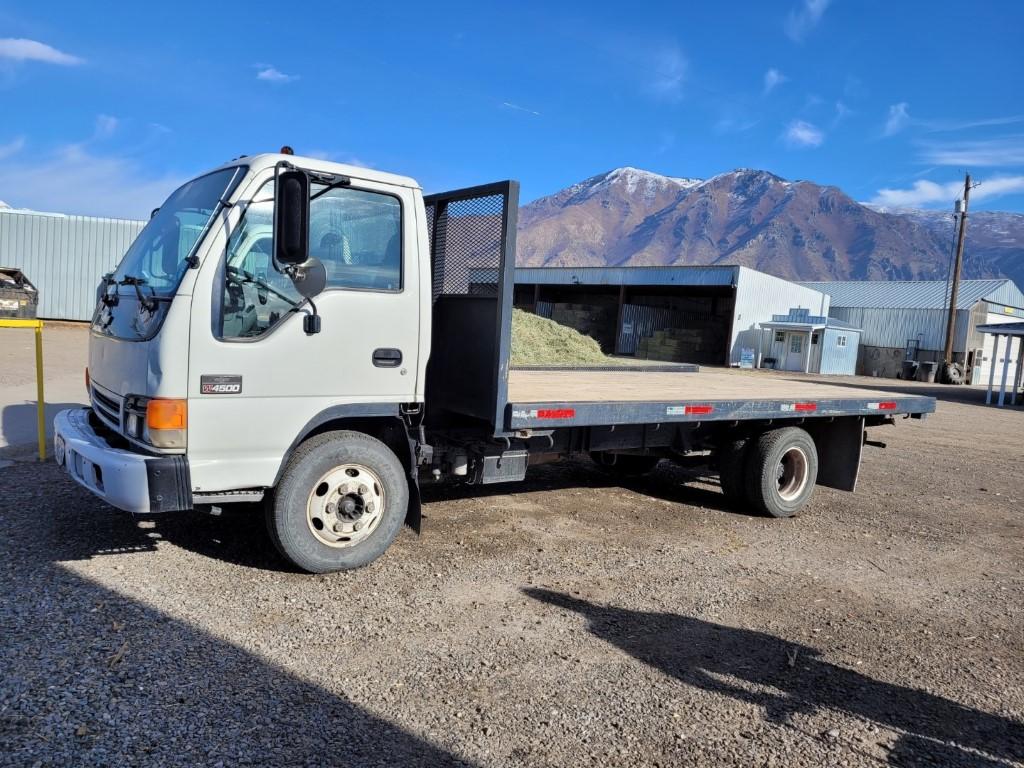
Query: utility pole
(951,321)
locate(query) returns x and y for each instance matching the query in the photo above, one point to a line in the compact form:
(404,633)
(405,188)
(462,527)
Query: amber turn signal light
(167,414)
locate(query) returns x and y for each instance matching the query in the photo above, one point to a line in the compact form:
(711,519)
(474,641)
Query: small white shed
(800,341)
(1007,343)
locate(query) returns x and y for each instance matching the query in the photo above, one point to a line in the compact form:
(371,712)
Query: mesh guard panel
(472,248)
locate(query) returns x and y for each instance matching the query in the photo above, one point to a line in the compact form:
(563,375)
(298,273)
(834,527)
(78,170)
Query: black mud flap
(413,512)
(839,445)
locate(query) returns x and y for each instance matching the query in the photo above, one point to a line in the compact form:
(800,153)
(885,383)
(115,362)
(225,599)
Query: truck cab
(203,371)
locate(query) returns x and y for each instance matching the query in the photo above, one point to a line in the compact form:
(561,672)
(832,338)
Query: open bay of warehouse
(576,622)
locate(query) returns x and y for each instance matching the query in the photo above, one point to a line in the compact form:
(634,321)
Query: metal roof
(917,294)
(721,275)
(1004,329)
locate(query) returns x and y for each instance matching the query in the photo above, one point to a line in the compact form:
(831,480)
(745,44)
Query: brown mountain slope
(798,230)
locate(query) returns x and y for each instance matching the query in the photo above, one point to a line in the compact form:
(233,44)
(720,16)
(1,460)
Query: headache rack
(472,236)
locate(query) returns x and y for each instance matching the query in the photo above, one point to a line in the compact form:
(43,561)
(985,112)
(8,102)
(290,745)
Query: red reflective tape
(556,413)
(698,410)
(888,405)
(805,407)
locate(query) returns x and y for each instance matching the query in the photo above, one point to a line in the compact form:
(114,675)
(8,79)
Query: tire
(340,503)
(624,464)
(781,471)
(732,468)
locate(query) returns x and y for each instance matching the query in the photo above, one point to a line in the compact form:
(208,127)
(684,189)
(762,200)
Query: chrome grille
(107,407)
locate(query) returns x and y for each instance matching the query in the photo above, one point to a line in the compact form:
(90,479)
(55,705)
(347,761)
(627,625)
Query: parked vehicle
(324,338)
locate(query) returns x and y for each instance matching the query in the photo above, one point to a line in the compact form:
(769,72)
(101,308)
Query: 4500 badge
(220,385)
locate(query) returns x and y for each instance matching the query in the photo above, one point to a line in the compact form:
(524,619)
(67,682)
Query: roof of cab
(269,160)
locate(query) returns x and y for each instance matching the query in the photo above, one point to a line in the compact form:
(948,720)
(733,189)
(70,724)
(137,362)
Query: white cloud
(804,18)
(842,112)
(1003,151)
(273,74)
(898,119)
(800,133)
(668,68)
(929,193)
(939,126)
(772,79)
(106,126)
(518,108)
(337,157)
(71,179)
(12,147)
(21,49)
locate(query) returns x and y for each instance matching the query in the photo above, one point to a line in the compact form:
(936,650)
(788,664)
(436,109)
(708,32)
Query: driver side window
(355,233)
(255,296)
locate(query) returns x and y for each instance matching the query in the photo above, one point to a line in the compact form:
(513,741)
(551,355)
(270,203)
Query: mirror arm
(311,323)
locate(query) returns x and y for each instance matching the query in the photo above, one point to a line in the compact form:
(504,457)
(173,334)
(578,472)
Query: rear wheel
(340,503)
(781,471)
(624,464)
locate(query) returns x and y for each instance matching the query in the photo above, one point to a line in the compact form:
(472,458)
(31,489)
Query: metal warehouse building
(64,256)
(706,314)
(907,320)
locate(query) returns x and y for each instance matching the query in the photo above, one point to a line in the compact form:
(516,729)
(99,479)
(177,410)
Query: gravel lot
(567,621)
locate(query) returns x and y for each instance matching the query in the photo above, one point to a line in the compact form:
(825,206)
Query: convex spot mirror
(291,218)
(309,278)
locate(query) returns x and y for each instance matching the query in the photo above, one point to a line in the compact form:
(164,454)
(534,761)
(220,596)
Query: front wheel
(782,469)
(340,503)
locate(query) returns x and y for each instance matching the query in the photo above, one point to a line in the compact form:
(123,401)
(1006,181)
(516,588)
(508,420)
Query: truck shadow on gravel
(93,677)
(238,536)
(669,482)
(933,730)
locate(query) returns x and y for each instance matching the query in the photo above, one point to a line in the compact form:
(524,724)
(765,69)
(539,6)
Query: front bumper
(126,479)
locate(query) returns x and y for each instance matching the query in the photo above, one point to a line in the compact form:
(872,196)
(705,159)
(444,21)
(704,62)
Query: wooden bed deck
(710,385)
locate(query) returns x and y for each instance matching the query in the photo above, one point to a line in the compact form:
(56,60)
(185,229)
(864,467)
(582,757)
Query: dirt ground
(566,621)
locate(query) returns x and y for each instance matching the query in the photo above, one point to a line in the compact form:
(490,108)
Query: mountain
(794,229)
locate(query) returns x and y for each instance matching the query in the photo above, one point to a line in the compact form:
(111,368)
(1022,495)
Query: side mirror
(291,218)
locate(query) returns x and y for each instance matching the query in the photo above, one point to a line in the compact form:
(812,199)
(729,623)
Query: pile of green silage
(539,341)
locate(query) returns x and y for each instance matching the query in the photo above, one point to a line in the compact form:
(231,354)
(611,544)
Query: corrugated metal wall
(64,256)
(841,361)
(893,327)
(758,297)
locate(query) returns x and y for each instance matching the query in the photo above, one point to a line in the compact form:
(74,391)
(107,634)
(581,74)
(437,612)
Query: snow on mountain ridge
(632,179)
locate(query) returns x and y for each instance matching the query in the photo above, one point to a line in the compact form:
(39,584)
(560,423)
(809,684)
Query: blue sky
(105,107)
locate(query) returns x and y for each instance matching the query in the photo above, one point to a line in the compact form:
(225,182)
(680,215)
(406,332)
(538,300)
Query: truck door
(255,378)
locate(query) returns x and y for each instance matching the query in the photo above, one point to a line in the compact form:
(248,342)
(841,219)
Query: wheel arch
(382,421)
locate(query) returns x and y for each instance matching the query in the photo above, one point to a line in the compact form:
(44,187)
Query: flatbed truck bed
(567,398)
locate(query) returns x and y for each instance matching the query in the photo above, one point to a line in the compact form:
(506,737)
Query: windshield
(160,254)
(134,300)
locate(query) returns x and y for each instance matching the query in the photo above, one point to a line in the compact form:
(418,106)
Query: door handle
(387,358)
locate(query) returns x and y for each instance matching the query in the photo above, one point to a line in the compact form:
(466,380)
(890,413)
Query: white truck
(323,338)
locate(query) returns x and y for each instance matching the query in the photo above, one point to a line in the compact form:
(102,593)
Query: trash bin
(909,371)
(926,371)
(18,297)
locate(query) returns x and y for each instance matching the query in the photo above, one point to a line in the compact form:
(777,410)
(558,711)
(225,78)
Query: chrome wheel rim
(345,505)
(791,473)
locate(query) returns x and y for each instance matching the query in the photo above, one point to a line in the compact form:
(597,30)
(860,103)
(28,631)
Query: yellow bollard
(40,401)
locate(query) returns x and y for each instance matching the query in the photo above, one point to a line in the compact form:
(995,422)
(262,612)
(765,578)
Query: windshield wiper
(249,277)
(333,181)
(148,303)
